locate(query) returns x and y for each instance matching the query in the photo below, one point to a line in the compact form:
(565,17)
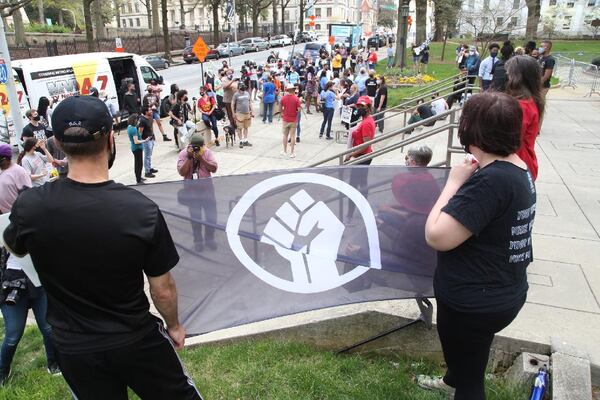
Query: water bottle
(540,384)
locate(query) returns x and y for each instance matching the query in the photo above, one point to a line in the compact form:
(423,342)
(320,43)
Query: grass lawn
(582,50)
(263,370)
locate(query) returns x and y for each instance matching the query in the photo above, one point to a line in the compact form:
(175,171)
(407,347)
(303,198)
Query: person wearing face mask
(36,164)
(547,63)
(180,118)
(361,81)
(207,106)
(381,103)
(487,66)
(93,265)
(34,128)
(472,64)
(229,89)
(371,85)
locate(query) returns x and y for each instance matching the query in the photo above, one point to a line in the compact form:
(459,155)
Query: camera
(196,148)
(13,288)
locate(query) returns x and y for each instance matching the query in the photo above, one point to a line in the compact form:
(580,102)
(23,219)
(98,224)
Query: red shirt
(373,58)
(364,132)
(529,132)
(290,104)
(205,105)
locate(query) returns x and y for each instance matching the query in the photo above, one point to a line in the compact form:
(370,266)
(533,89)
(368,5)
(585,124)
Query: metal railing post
(450,138)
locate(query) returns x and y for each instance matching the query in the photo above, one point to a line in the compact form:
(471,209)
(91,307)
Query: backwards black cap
(87,112)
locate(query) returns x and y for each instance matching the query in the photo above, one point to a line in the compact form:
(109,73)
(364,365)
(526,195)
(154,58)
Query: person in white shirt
(486,68)
(438,105)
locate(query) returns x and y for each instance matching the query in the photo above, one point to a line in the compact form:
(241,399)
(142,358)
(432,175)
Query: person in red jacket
(524,85)
(364,132)
(372,59)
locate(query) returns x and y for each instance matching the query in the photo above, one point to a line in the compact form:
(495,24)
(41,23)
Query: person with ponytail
(524,84)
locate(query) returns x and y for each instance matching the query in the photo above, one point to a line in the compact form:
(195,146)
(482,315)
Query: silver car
(230,49)
(281,40)
(254,44)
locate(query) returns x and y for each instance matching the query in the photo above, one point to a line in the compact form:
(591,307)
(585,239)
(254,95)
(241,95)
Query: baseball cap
(363,101)
(5,151)
(87,112)
(196,140)
(290,86)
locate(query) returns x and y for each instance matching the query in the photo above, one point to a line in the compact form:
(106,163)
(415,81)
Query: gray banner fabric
(264,245)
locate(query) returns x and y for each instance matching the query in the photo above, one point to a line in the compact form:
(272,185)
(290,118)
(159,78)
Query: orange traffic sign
(331,40)
(200,49)
(311,23)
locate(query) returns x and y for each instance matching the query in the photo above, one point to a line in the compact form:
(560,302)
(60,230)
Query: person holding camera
(93,264)
(198,160)
(18,293)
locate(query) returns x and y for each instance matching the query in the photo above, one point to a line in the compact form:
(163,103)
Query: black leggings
(466,340)
(137,164)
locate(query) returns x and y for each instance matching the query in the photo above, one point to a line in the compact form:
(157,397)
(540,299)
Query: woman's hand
(461,172)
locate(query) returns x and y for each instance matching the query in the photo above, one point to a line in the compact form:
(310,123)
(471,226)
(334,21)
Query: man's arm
(164,295)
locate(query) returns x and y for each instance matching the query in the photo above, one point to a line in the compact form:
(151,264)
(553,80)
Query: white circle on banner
(310,221)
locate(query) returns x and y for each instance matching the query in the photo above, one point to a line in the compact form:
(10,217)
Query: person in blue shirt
(360,81)
(328,97)
(292,77)
(472,64)
(135,138)
(268,99)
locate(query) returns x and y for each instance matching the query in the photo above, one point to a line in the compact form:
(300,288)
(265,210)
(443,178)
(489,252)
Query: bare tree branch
(8,9)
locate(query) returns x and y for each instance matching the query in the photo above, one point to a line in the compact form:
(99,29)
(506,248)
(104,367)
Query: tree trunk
(149,13)
(275,31)
(421,17)
(283,17)
(165,27)
(533,18)
(98,22)
(400,39)
(89,29)
(215,14)
(301,27)
(155,18)
(445,42)
(439,26)
(41,16)
(20,39)
(255,16)
(61,19)
(182,14)
(117,8)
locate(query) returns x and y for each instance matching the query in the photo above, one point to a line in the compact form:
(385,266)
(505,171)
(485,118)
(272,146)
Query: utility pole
(13,99)
(234,23)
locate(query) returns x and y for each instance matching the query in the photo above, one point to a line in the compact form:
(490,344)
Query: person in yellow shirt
(336,63)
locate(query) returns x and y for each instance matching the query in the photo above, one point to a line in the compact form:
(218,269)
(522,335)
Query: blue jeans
(148,147)
(298,124)
(15,317)
(211,122)
(390,61)
(268,112)
(327,118)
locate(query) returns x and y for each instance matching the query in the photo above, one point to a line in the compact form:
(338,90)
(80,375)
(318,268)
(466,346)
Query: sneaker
(4,375)
(166,139)
(217,143)
(211,244)
(241,145)
(321,136)
(434,383)
(140,182)
(54,369)
(283,153)
(199,247)
(247,144)
(297,139)
(328,138)
(150,175)
(153,170)
(292,155)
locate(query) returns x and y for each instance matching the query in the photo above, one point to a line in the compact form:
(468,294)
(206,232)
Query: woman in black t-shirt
(481,226)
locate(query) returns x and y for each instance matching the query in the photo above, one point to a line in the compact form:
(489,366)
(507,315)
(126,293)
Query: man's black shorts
(150,367)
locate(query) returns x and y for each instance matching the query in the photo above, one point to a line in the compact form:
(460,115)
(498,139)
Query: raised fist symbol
(308,235)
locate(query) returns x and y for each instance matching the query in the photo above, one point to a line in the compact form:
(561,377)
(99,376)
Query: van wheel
(188,61)
(167,65)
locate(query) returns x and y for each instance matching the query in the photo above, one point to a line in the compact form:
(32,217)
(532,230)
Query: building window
(306,27)
(318,27)
(516,4)
(329,11)
(552,2)
(172,12)
(129,8)
(499,21)
(486,4)
(469,21)
(514,21)
(318,12)
(592,3)
(137,7)
(570,4)
(484,21)
(137,22)
(471,5)
(567,22)
(124,23)
(130,21)
(286,15)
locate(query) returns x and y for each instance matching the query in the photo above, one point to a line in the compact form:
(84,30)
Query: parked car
(157,62)
(281,40)
(377,40)
(254,44)
(230,49)
(189,56)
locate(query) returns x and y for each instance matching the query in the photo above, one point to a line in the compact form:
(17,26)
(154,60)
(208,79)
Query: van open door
(7,130)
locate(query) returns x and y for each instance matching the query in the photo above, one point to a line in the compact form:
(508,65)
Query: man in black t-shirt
(34,128)
(380,103)
(91,241)
(371,85)
(146,128)
(547,63)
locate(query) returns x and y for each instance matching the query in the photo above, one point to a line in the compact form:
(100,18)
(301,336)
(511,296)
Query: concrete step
(571,377)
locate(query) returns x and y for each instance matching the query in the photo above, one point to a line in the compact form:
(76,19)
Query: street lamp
(404,12)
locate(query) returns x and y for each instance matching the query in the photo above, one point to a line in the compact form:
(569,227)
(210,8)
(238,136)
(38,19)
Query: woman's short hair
(133,119)
(492,122)
(421,155)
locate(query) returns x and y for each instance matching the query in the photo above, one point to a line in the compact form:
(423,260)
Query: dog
(229,135)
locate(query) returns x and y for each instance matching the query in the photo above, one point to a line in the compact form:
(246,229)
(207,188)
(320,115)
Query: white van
(63,76)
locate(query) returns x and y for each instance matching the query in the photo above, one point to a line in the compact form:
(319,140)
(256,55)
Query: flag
(264,245)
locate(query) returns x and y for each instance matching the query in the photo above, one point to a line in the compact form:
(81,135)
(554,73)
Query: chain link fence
(577,74)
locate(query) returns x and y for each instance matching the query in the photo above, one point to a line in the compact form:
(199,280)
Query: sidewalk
(563,302)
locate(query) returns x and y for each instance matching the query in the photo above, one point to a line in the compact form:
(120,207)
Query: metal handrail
(450,127)
(427,87)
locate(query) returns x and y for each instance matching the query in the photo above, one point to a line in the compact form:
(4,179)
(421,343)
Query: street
(189,76)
